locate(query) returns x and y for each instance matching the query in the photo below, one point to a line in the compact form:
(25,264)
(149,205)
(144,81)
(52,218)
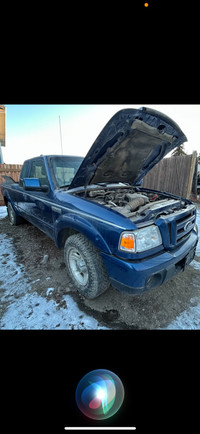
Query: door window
(38,171)
(23,173)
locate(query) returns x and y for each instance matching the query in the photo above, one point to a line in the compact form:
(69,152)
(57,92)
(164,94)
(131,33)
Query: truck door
(37,204)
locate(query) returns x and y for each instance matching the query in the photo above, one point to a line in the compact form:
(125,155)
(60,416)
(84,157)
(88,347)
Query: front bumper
(138,277)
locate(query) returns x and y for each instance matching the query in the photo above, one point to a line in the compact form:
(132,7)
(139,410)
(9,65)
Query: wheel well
(93,236)
(5,200)
(64,234)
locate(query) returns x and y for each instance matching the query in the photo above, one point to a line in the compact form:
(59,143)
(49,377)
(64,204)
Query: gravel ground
(37,267)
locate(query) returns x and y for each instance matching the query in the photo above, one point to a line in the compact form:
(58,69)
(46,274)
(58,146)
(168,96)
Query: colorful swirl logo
(99,394)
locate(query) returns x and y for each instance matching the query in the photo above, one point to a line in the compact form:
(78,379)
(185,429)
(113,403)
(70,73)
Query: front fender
(64,224)
(7,197)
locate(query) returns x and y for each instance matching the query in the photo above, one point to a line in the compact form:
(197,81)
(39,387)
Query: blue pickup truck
(111,229)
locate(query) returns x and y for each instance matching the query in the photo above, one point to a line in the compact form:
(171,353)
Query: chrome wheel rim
(78,266)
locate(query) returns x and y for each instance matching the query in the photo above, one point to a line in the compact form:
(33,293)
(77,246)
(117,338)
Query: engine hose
(134,204)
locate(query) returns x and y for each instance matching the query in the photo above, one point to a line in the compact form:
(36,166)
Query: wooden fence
(173,175)
(12,170)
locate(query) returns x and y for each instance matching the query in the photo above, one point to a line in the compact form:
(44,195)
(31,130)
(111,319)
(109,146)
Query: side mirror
(33,184)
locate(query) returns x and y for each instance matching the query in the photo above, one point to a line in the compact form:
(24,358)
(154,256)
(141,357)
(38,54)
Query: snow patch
(3,212)
(195,264)
(49,291)
(25,309)
(35,312)
(189,319)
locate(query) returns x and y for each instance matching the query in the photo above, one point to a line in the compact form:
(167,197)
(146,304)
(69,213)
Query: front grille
(184,226)
(176,228)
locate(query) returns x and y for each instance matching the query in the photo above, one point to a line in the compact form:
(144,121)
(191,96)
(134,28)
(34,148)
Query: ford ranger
(111,229)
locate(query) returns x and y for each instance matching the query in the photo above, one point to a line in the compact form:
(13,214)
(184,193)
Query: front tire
(85,266)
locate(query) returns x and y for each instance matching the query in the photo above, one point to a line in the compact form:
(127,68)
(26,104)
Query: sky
(32,130)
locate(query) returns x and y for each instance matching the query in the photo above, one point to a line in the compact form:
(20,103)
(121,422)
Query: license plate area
(181,265)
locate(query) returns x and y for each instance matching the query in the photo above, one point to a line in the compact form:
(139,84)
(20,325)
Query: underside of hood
(129,146)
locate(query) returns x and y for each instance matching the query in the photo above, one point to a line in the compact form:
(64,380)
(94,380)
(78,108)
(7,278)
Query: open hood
(129,146)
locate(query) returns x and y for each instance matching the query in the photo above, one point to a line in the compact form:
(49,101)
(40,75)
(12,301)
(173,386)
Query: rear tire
(13,217)
(85,266)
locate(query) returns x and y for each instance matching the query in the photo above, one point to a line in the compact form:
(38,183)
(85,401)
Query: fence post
(191,174)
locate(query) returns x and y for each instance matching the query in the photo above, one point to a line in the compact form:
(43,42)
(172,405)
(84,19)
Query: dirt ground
(44,262)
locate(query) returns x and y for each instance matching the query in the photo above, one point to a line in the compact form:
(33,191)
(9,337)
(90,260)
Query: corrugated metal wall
(12,170)
(173,175)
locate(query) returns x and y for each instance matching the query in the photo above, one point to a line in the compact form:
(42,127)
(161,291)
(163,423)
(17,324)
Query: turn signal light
(127,242)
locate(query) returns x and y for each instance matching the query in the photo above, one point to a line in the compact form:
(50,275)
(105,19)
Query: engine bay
(133,202)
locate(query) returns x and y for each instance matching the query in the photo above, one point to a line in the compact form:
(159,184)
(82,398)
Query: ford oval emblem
(188,226)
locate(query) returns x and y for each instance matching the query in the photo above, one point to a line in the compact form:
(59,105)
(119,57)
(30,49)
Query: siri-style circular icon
(99,394)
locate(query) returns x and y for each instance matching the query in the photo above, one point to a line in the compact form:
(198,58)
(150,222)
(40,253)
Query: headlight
(196,228)
(140,240)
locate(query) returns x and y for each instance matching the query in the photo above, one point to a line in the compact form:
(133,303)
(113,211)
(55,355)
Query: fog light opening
(154,280)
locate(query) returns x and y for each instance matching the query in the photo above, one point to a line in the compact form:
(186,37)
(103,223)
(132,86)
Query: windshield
(65,168)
